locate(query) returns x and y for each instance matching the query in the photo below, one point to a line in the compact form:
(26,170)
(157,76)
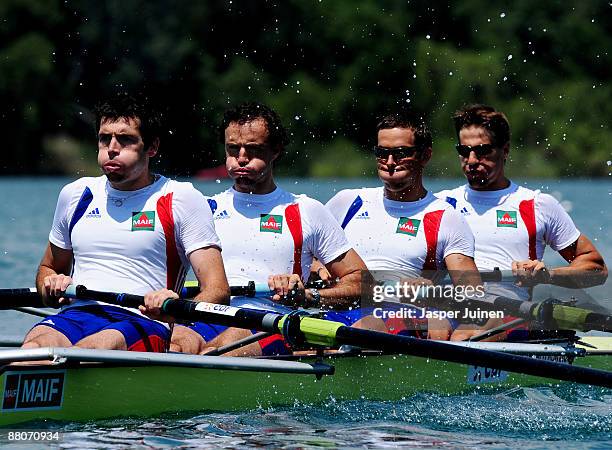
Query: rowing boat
(82,385)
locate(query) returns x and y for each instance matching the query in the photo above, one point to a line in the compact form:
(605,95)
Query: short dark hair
(408,119)
(125,106)
(249,111)
(495,123)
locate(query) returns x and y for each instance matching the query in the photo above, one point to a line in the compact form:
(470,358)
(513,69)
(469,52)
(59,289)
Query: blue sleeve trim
(452,201)
(213,205)
(357,203)
(81,208)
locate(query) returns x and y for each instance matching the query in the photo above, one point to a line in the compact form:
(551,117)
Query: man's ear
(153,148)
(506,150)
(425,156)
(277,152)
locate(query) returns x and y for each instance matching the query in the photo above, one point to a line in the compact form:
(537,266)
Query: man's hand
(288,288)
(54,286)
(530,272)
(408,286)
(154,301)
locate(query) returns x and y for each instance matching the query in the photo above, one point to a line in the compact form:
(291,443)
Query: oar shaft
(465,355)
(251,289)
(18,298)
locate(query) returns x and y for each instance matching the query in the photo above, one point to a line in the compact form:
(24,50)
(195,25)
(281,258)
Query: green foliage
(330,68)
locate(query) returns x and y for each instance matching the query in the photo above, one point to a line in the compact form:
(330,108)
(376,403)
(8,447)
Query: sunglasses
(123,139)
(480,150)
(398,153)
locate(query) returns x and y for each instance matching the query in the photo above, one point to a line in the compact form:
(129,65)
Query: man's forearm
(217,295)
(43,272)
(346,293)
(578,276)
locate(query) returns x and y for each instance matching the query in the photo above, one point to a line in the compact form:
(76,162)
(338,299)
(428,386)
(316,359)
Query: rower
(270,235)
(513,224)
(130,230)
(400,229)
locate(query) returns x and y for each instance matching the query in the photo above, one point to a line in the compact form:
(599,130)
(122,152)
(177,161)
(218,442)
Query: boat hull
(95,391)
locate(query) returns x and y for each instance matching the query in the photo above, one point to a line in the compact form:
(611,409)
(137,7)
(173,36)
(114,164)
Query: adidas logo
(465,211)
(95,213)
(363,215)
(222,215)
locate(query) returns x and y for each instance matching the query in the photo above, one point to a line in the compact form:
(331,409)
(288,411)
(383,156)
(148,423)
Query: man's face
(248,154)
(121,153)
(487,171)
(403,173)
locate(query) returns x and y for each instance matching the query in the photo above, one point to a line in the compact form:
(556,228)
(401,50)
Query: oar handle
(127,300)
(251,289)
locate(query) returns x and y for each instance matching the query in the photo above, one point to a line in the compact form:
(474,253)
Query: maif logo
(506,219)
(271,223)
(408,226)
(31,390)
(143,221)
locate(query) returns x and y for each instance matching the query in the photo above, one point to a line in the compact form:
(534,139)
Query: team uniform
(511,224)
(132,241)
(275,233)
(400,239)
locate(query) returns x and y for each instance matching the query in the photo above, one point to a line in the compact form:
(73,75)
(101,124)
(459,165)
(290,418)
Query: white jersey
(402,237)
(512,224)
(131,241)
(275,233)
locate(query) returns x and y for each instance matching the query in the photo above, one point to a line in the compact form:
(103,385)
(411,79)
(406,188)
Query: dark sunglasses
(397,152)
(123,139)
(252,150)
(480,150)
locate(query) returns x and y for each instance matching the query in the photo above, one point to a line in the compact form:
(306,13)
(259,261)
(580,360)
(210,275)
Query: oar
(550,313)
(555,315)
(303,329)
(20,298)
(29,297)
(251,289)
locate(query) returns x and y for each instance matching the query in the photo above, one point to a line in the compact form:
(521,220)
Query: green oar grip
(316,331)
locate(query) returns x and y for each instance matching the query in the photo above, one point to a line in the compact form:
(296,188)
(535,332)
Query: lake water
(529,418)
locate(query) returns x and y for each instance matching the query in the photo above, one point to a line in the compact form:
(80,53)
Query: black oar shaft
(23,297)
(599,322)
(466,355)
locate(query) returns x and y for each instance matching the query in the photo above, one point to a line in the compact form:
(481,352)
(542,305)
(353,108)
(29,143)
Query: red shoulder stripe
(294,222)
(431,225)
(173,262)
(527,211)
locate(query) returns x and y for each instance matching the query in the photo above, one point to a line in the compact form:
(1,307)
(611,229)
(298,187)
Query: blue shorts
(141,334)
(271,346)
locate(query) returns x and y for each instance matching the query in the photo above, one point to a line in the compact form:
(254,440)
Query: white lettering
(28,391)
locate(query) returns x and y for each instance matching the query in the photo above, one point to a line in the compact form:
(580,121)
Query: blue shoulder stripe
(213,204)
(452,201)
(84,201)
(357,203)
